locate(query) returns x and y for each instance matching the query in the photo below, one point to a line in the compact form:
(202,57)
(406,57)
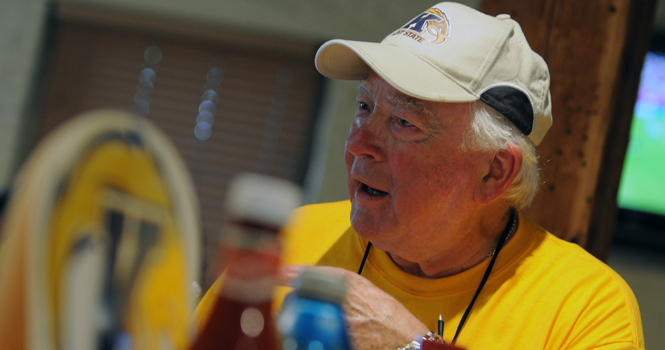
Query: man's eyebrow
(407,102)
(412,104)
(364,85)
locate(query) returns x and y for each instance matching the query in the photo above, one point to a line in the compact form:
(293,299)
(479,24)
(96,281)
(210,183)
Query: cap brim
(405,71)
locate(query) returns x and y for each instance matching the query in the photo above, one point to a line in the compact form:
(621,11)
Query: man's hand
(376,319)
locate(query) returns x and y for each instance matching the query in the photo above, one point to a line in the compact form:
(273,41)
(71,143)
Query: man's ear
(500,175)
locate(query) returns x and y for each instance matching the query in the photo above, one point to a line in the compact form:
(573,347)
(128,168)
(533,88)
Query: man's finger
(288,274)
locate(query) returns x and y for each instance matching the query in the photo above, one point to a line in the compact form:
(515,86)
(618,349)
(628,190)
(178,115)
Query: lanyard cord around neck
(502,240)
(362,264)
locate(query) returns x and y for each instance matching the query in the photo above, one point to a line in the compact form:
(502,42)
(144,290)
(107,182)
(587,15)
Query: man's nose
(366,138)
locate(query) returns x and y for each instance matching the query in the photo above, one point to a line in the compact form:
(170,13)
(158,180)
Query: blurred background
(232,83)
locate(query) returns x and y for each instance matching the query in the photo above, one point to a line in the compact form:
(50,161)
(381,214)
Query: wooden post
(595,50)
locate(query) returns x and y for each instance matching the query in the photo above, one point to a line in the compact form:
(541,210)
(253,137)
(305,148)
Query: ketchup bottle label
(250,276)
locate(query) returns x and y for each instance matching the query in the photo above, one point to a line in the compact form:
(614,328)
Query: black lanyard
(502,241)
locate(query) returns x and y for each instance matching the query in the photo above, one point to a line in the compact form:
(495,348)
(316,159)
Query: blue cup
(312,317)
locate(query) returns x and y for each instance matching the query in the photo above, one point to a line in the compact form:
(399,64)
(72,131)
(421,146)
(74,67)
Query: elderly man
(440,159)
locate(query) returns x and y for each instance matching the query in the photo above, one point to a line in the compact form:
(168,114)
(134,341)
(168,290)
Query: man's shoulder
(585,287)
(327,217)
(560,253)
(322,214)
(569,253)
(313,229)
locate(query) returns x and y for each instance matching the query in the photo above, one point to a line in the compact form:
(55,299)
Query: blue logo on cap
(433,21)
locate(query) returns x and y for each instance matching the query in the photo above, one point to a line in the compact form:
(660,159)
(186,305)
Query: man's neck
(442,266)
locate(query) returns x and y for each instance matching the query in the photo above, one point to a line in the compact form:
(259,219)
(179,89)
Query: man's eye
(403,122)
(364,106)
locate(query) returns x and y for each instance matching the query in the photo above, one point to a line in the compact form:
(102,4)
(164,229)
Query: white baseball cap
(453,53)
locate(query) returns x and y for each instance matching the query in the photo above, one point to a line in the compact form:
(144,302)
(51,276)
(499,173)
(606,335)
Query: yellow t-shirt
(543,292)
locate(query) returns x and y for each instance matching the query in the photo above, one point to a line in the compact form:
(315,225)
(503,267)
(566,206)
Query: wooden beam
(595,50)
(603,218)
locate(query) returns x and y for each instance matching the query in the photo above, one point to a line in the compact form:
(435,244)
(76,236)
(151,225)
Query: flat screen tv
(641,197)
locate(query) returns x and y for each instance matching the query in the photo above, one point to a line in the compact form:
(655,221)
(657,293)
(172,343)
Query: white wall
(21,28)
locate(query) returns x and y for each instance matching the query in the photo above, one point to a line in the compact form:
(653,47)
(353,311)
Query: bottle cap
(262,199)
(321,286)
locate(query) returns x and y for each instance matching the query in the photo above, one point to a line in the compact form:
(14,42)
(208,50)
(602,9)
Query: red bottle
(257,207)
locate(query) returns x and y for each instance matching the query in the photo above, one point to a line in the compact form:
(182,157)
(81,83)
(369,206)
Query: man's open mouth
(372,191)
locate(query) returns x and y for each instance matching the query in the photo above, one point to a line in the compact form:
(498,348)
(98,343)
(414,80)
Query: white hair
(491,131)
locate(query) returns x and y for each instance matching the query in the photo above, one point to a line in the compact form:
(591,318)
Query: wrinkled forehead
(399,99)
(433,111)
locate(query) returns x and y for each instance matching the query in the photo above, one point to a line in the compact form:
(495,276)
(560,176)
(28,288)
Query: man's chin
(380,241)
(367,231)
(382,245)
(376,236)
